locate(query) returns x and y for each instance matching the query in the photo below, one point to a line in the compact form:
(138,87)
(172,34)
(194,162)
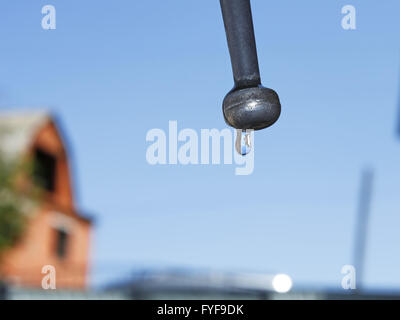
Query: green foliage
(11,216)
(11,225)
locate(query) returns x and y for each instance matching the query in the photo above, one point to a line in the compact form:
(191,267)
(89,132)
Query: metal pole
(398,111)
(248,105)
(364,208)
(239,28)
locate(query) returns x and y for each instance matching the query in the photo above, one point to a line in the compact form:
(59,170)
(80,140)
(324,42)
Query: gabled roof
(18,129)
(22,130)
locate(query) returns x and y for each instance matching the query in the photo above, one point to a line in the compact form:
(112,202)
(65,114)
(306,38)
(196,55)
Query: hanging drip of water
(243,141)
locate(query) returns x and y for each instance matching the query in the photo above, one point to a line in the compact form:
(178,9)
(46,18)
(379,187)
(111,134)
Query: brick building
(56,233)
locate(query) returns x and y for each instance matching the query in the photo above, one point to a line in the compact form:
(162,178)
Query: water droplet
(243,141)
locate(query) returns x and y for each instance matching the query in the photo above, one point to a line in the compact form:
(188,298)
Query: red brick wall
(23,263)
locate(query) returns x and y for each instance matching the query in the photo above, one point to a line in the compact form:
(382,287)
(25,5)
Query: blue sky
(112,70)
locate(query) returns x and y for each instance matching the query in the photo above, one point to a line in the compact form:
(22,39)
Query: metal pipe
(248,105)
(239,29)
(363,215)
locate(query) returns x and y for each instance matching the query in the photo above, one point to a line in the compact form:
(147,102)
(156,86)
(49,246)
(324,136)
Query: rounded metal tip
(251,108)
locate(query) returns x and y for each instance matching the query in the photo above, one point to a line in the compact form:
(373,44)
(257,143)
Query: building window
(44,170)
(61,243)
